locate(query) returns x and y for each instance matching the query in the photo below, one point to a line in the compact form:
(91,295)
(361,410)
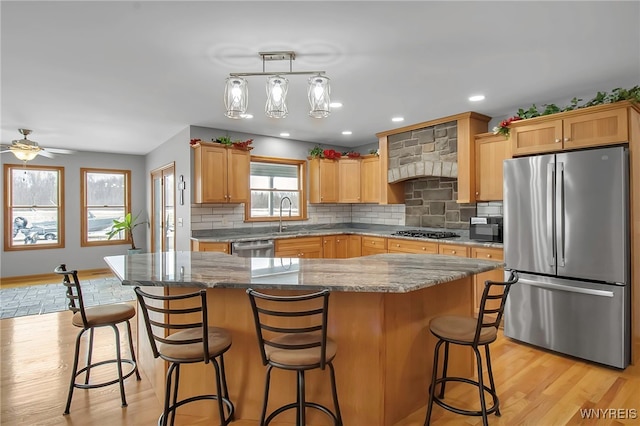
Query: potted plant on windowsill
(126,225)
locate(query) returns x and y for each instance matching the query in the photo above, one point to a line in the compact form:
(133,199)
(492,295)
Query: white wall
(33,262)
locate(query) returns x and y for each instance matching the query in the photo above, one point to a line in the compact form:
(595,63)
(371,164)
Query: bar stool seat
(473,332)
(300,357)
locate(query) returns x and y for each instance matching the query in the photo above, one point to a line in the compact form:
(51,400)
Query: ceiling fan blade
(46,154)
(59,151)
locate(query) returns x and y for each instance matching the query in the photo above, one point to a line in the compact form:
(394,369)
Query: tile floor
(45,298)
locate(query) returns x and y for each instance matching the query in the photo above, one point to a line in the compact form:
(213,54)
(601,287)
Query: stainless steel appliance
(261,248)
(566,231)
(486,229)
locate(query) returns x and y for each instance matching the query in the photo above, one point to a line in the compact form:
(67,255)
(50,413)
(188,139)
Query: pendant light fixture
(236,91)
(236,97)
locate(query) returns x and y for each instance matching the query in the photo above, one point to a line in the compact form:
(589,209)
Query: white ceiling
(126,76)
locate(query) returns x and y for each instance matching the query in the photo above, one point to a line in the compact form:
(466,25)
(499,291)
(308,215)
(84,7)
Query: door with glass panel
(163,211)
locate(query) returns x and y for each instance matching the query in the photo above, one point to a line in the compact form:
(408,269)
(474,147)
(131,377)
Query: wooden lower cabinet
(397,245)
(453,250)
(373,245)
(487,253)
(303,247)
(355,246)
(329,247)
(203,246)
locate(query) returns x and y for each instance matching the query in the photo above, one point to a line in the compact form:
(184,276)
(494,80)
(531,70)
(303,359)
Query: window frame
(302,185)
(84,208)
(8,202)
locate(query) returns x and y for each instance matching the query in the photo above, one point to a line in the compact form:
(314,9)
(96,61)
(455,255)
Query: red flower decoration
(331,154)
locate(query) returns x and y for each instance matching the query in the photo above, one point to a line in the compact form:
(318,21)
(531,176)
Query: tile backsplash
(491,208)
(216,216)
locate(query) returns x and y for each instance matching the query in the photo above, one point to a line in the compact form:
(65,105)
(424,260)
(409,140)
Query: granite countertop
(271,233)
(380,273)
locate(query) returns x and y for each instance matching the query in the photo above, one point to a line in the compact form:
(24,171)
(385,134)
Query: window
(34,198)
(106,195)
(271,180)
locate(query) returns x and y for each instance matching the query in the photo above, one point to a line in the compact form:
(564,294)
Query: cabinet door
(494,275)
(323,181)
(342,247)
(210,174)
(370,180)
(490,153)
(349,181)
(329,246)
(398,245)
(373,245)
(217,247)
(238,175)
(598,128)
(355,246)
(539,137)
(453,250)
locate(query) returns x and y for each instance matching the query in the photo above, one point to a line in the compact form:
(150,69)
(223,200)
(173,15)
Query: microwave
(488,229)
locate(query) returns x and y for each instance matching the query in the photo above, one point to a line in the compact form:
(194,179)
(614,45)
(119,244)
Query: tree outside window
(34,198)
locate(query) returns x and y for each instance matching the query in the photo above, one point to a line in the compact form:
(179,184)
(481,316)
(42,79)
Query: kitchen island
(379,312)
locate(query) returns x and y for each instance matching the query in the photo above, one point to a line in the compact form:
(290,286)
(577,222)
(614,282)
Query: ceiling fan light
(236,97)
(318,93)
(276,106)
(23,154)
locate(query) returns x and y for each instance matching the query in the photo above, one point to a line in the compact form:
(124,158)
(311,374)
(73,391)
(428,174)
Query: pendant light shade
(236,97)
(319,91)
(276,106)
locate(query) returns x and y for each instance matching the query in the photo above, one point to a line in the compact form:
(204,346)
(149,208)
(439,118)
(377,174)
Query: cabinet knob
(325,241)
(567,139)
(373,243)
(397,245)
(489,256)
(337,241)
(558,140)
(424,248)
(453,252)
(477,193)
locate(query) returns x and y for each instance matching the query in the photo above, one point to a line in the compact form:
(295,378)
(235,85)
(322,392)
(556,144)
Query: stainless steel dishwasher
(260,248)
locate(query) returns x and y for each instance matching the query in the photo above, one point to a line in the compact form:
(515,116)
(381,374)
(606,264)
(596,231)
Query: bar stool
(297,342)
(471,332)
(90,318)
(194,341)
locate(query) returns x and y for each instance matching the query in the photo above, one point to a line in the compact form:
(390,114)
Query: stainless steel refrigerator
(566,231)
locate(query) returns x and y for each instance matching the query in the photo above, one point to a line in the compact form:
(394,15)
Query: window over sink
(271,180)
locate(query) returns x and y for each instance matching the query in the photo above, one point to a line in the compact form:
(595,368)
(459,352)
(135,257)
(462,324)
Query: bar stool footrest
(225,401)
(112,382)
(306,405)
(440,402)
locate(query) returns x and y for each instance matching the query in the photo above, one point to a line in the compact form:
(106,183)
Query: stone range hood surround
(427,152)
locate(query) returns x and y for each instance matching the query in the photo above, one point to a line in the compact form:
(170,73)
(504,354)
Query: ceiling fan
(26,150)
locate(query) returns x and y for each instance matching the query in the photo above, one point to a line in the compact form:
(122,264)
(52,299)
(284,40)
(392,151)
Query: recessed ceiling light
(347,132)
(246,115)
(335,104)
(476,98)
(284,134)
(396,119)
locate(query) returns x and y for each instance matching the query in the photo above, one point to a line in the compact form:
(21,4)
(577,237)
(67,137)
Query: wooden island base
(383,364)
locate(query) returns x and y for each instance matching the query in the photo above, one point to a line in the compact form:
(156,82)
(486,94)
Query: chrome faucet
(281,201)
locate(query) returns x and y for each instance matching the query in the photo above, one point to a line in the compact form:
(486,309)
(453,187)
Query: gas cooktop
(414,233)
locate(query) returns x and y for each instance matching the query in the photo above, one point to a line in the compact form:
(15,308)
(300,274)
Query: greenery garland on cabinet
(601,98)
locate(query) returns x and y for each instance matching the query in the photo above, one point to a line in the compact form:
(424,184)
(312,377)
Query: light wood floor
(535,387)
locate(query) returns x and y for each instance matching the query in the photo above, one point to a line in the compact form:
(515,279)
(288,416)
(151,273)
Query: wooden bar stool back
(179,333)
(469,331)
(292,335)
(88,319)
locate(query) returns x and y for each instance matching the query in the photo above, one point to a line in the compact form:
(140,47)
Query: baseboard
(25,280)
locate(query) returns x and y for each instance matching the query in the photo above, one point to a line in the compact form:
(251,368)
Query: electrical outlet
(225,221)
(180,222)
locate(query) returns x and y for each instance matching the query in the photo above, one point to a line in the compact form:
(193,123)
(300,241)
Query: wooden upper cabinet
(349,180)
(370,180)
(323,180)
(491,151)
(581,128)
(220,174)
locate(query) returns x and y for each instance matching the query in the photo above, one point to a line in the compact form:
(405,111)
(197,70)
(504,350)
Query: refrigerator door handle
(561,215)
(551,178)
(581,290)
